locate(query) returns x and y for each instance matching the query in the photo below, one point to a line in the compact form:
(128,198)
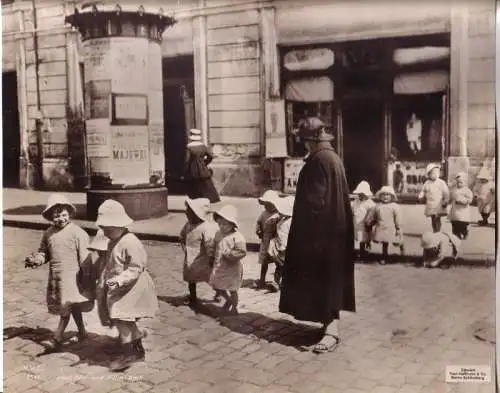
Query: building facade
(399,86)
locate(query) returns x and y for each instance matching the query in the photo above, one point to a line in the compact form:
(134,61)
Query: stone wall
(234,99)
(481,86)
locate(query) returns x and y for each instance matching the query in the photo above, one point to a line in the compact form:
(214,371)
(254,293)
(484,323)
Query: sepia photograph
(249,196)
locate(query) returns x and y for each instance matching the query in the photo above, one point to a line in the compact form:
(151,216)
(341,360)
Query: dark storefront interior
(10,130)
(373,98)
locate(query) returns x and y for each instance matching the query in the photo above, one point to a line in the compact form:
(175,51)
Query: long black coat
(318,275)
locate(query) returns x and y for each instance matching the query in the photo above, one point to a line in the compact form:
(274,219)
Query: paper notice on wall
(130,154)
(130,65)
(157,149)
(275,129)
(97,59)
(97,96)
(155,102)
(291,174)
(407,177)
(98,138)
(155,73)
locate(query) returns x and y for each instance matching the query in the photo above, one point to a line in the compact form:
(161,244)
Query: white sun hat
(54,200)
(269,196)
(229,213)
(199,206)
(112,214)
(386,190)
(363,188)
(99,242)
(285,205)
(431,166)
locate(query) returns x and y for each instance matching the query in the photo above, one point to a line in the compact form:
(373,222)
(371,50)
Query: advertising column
(124,108)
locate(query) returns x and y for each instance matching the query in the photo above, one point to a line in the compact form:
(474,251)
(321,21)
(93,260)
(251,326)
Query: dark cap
(312,128)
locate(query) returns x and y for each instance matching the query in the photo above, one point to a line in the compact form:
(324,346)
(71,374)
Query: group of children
(111,271)
(381,222)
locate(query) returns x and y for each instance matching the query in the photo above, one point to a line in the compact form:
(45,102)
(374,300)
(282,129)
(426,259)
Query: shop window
(425,54)
(307,97)
(309,59)
(417,127)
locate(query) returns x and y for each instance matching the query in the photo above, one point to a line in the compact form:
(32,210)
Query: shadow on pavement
(281,331)
(81,211)
(95,350)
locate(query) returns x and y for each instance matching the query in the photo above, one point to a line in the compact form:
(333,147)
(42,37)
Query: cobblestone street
(410,324)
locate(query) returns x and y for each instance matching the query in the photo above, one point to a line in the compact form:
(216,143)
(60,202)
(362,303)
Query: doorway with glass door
(363,141)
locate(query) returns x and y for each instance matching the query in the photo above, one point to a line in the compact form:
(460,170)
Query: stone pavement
(410,324)
(22,208)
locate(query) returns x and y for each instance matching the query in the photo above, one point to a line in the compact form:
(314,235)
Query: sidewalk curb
(476,262)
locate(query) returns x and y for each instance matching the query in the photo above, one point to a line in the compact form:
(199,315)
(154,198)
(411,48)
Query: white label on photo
(463,374)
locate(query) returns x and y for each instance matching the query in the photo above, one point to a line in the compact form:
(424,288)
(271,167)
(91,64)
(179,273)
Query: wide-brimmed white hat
(363,188)
(229,213)
(112,214)
(269,196)
(386,190)
(429,240)
(99,242)
(285,205)
(484,173)
(199,206)
(430,167)
(55,200)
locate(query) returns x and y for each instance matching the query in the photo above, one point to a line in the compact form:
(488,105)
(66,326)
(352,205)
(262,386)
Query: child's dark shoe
(131,353)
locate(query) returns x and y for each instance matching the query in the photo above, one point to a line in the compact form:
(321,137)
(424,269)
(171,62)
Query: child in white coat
(230,249)
(361,207)
(125,289)
(436,195)
(460,197)
(439,247)
(197,241)
(484,192)
(385,219)
(64,247)
(265,230)
(277,245)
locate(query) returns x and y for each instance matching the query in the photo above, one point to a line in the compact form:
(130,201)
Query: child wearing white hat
(230,249)
(361,207)
(460,197)
(64,247)
(385,219)
(436,194)
(439,247)
(197,241)
(277,245)
(484,191)
(265,230)
(125,289)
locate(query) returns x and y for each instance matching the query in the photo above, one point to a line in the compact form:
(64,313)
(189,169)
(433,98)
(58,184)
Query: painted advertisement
(129,154)
(157,152)
(407,177)
(292,168)
(97,59)
(130,65)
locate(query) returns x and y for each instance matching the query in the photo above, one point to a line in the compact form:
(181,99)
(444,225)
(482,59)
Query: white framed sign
(275,129)
(292,168)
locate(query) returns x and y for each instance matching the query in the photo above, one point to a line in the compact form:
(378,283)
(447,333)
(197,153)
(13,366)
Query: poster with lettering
(130,155)
(97,96)
(97,59)
(98,135)
(407,177)
(157,151)
(291,174)
(130,66)
(155,72)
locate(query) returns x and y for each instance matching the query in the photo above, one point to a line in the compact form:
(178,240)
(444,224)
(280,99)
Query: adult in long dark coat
(197,175)
(318,275)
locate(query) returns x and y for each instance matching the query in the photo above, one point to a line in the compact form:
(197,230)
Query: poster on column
(130,155)
(157,151)
(98,135)
(130,61)
(155,73)
(155,102)
(97,59)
